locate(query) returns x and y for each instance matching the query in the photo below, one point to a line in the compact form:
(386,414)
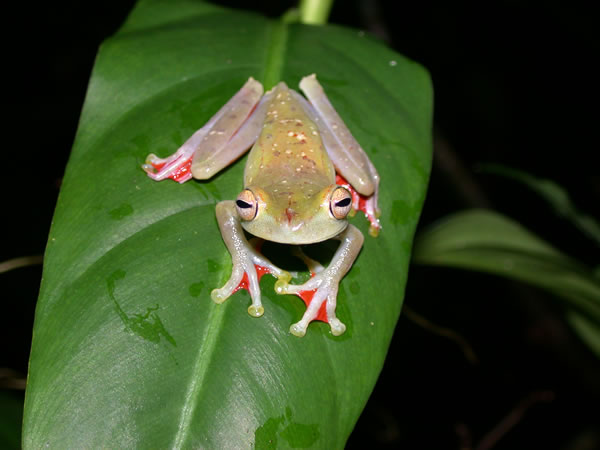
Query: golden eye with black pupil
(246,205)
(340,203)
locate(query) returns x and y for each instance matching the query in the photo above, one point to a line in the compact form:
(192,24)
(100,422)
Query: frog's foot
(319,294)
(177,166)
(248,268)
(243,279)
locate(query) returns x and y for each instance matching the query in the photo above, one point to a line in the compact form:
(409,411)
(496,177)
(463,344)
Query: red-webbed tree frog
(291,194)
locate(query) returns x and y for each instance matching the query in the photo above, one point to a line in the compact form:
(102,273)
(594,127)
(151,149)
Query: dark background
(514,84)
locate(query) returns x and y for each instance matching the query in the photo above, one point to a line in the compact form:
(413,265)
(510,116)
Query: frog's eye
(340,203)
(246,205)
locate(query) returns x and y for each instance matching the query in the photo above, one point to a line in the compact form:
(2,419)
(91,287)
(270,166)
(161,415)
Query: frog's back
(291,175)
(289,149)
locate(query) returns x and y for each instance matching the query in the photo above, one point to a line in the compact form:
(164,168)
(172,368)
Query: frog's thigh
(231,132)
(220,141)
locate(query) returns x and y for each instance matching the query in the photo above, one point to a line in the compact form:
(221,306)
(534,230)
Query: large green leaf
(489,242)
(128,348)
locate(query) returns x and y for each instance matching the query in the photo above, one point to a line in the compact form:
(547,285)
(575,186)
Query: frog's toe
(218,296)
(337,327)
(149,168)
(151,158)
(282,286)
(298,329)
(256,311)
(374,231)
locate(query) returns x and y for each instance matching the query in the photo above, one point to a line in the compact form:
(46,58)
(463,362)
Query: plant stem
(315,12)
(23,261)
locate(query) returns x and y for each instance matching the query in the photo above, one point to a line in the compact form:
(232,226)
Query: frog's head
(294,216)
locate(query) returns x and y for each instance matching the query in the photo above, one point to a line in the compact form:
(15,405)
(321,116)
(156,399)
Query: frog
(304,175)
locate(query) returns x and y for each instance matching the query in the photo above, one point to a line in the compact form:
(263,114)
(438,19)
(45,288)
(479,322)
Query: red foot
(359,202)
(260,271)
(183,171)
(307,297)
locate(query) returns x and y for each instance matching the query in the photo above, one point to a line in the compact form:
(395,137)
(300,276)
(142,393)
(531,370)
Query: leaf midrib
(274,59)
(201,368)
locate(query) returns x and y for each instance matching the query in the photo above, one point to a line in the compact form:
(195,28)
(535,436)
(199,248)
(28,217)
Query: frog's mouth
(295,232)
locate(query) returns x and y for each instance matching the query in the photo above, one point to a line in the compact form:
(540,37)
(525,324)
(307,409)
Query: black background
(514,84)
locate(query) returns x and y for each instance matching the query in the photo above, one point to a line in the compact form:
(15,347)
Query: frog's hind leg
(348,157)
(224,138)
(313,265)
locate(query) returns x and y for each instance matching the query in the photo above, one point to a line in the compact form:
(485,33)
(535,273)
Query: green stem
(315,12)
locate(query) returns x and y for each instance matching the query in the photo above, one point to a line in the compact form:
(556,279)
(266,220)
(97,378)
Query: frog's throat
(307,234)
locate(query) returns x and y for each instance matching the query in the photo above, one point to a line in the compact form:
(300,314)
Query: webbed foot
(177,166)
(246,274)
(319,294)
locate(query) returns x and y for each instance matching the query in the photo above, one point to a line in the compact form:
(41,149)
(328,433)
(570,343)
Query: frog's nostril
(290,213)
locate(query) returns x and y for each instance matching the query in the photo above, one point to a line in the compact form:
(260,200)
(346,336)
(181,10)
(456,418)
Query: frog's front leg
(323,286)
(245,258)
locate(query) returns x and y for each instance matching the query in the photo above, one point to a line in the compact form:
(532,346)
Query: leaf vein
(201,368)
